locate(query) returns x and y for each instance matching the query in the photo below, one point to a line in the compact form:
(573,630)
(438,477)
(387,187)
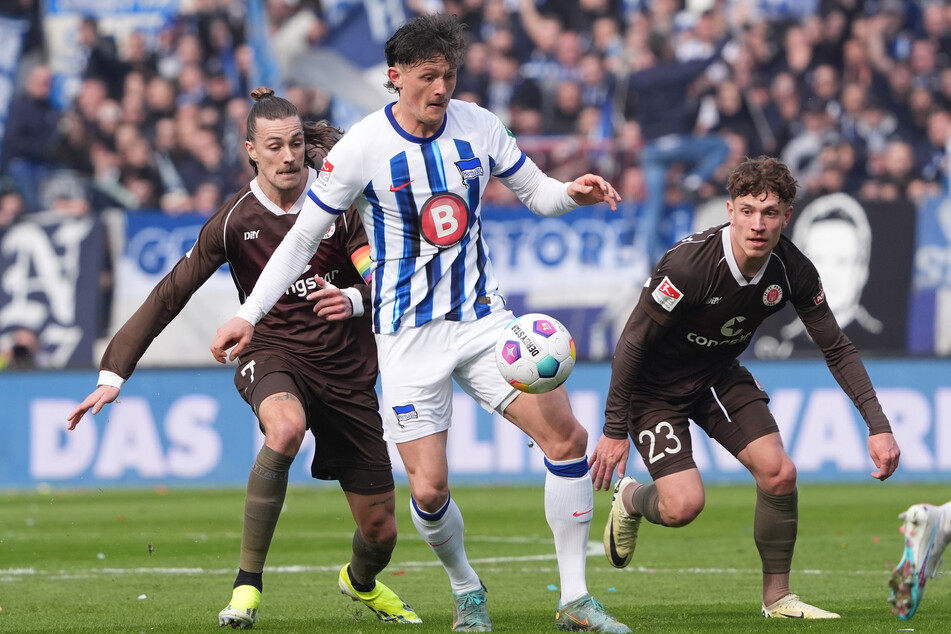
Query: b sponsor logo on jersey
(325,171)
(405,413)
(470,169)
(252,235)
(821,297)
(444,220)
(667,295)
(773,295)
(713,301)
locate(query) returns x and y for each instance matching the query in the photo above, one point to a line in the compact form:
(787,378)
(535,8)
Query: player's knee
(682,510)
(285,435)
(380,532)
(569,444)
(780,480)
(430,498)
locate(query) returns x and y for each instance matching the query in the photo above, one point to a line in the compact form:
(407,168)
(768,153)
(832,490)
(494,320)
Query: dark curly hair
(319,136)
(762,176)
(427,37)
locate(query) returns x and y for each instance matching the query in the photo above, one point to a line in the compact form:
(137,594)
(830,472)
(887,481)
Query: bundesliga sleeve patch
(667,295)
(821,297)
(325,171)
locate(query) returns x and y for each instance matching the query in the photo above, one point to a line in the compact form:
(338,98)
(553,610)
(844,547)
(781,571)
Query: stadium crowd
(854,95)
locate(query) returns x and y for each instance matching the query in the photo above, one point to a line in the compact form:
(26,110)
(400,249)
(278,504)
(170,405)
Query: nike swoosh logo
(577,514)
(616,560)
(801,615)
(444,541)
(396,189)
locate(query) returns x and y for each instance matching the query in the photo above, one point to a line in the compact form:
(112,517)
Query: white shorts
(418,364)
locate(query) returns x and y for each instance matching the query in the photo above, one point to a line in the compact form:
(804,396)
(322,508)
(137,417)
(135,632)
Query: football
(535,353)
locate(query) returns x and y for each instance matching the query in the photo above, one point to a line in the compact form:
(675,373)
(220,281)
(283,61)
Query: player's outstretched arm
(591,189)
(235,332)
(609,454)
(103,394)
(885,453)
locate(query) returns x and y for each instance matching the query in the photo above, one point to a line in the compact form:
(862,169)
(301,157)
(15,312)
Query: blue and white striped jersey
(420,201)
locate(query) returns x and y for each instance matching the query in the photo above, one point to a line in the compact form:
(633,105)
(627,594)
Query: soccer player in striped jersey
(416,171)
(332,393)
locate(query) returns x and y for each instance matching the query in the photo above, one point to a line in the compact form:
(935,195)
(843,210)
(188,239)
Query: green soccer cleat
(587,615)
(387,606)
(790,607)
(242,611)
(470,613)
(620,533)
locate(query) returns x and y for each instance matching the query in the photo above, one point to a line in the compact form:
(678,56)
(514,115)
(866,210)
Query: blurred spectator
(32,134)
(11,206)
(102,57)
(19,350)
(663,107)
(801,154)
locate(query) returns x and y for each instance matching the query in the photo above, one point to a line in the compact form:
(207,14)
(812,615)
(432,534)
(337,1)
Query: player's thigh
(349,440)
(735,412)
(661,435)
(416,366)
(477,372)
(548,420)
(681,496)
(273,388)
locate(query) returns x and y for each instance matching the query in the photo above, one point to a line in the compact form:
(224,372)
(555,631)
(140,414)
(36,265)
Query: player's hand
(330,302)
(591,189)
(235,332)
(103,394)
(609,454)
(884,452)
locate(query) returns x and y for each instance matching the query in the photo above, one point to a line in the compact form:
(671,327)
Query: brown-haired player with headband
(303,371)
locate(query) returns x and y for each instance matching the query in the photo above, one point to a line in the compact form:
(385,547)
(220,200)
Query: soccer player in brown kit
(677,359)
(301,371)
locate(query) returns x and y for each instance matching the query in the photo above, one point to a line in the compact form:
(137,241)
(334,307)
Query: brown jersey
(244,233)
(698,312)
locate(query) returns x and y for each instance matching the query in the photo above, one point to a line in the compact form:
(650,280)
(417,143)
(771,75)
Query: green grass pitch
(81,561)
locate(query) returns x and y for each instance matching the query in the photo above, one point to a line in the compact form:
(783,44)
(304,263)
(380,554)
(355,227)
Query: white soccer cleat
(925,540)
(620,532)
(790,607)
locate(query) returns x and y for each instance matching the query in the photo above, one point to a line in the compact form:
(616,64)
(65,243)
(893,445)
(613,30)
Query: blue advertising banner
(929,324)
(153,244)
(50,285)
(179,427)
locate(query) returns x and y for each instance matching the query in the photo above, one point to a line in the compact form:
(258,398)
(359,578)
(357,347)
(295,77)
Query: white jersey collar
(268,204)
(730,258)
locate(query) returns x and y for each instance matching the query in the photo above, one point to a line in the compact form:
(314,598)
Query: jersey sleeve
(341,178)
(166,300)
(673,287)
(638,337)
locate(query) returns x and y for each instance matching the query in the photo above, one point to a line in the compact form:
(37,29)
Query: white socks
(443,531)
(569,505)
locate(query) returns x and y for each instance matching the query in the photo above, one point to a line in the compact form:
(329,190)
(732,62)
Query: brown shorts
(732,412)
(345,422)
